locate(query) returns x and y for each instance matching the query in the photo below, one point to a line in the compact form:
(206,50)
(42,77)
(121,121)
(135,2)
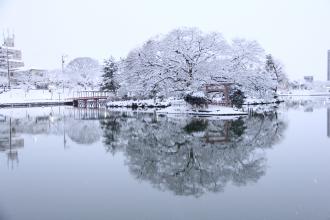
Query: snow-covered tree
(171,64)
(83,71)
(275,67)
(187,59)
(108,78)
(247,69)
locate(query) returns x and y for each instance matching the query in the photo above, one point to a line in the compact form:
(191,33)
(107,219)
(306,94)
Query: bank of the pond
(35,97)
(253,101)
(33,104)
(173,106)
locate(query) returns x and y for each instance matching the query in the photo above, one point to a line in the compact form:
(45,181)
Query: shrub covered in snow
(197,98)
(237,97)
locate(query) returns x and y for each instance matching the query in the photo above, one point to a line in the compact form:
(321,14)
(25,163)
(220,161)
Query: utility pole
(8,67)
(63,61)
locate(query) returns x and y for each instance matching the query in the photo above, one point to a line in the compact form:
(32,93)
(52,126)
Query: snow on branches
(187,59)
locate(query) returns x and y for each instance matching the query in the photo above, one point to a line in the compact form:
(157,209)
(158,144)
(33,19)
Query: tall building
(10,57)
(328,65)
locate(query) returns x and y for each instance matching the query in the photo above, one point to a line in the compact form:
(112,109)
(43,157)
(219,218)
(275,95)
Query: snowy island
(183,72)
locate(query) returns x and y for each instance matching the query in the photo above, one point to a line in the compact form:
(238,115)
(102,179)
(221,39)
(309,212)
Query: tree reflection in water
(192,156)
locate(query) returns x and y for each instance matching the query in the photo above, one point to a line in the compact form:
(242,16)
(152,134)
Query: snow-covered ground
(138,103)
(302,92)
(169,106)
(19,96)
(254,101)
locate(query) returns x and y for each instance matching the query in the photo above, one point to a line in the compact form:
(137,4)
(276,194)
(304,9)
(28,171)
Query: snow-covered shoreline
(251,101)
(34,98)
(311,92)
(30,98)
(172,106)
(32,104)
(149,103)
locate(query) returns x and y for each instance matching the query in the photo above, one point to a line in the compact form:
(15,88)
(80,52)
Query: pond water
(65,163)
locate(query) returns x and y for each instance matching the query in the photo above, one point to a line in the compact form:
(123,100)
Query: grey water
(66,163)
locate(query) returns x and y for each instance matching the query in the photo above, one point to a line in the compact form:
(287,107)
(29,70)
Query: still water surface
(64,163)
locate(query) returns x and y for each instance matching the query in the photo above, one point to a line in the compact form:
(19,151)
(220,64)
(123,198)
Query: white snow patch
(138,103)
(19,96)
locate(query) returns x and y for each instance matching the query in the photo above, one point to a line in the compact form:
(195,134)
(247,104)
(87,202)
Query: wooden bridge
(90,99)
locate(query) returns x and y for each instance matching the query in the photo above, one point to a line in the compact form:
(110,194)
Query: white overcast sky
(295,31)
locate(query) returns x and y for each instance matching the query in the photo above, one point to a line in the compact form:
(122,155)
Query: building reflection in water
(78,125)
(309,104)
(10,142)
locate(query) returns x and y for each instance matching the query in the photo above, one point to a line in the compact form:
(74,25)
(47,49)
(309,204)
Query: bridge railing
(91,94)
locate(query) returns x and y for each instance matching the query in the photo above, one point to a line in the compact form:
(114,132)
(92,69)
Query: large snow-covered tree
(83,71)
(187,59)
(173,63)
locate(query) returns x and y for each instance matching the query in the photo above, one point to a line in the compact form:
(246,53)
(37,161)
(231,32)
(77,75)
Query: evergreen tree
(237,97)
(108,82)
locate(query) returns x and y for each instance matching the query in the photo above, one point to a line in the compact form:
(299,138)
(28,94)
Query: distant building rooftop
(309,78)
